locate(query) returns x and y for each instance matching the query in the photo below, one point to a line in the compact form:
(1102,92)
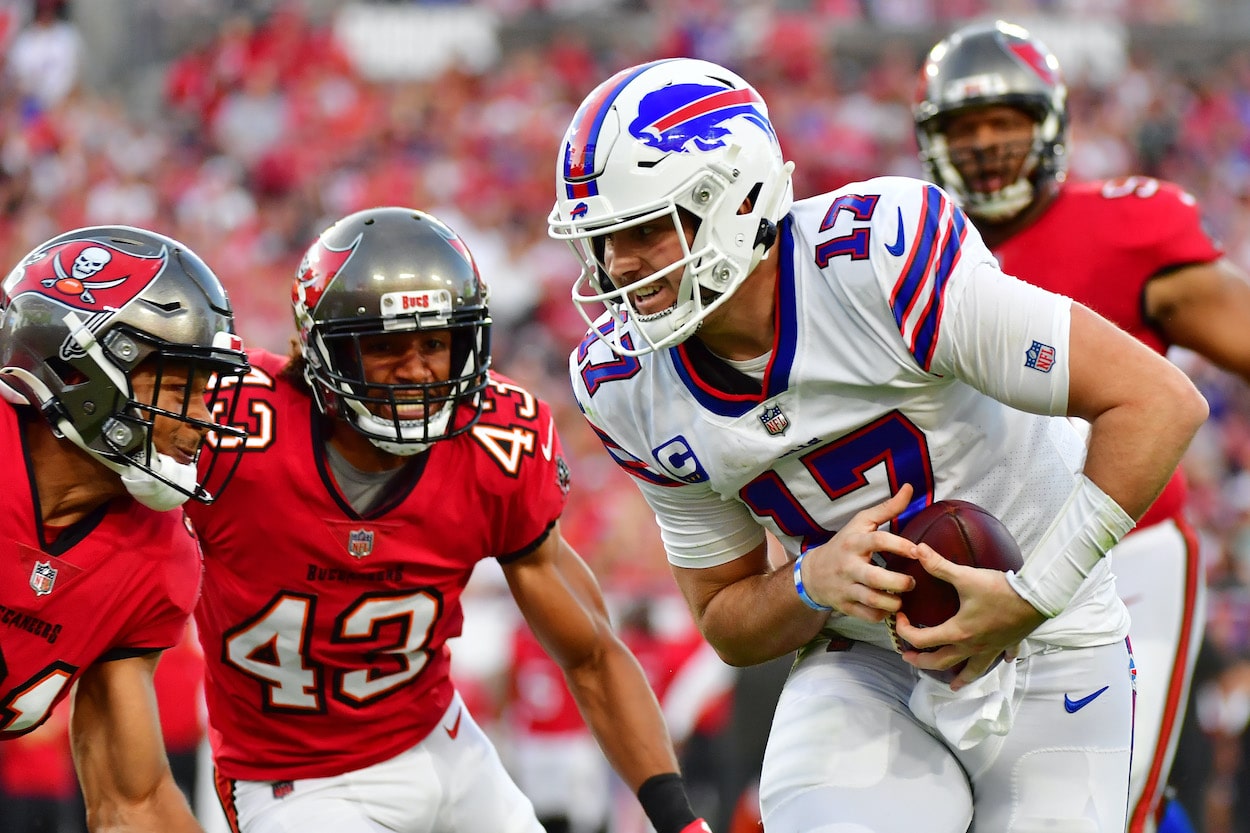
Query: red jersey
(1099,243)
(325,631)
(122,582)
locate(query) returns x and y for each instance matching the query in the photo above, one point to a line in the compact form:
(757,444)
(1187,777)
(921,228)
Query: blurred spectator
(45,57)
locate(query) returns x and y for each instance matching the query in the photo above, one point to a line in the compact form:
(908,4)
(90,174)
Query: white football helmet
(670,134)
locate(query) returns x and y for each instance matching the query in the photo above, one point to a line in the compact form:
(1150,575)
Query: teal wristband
(798,585)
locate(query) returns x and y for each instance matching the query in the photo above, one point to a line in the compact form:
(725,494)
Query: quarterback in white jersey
(824,370)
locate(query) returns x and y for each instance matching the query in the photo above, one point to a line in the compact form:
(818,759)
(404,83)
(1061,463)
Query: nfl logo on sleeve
(774,420)
(1040,357)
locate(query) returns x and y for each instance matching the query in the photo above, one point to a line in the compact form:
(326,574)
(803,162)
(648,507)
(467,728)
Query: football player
(386,459)
(992,125)
(108,339)
(823,370)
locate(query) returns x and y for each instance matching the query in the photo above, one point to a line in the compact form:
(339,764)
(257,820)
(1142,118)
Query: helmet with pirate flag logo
(83,313)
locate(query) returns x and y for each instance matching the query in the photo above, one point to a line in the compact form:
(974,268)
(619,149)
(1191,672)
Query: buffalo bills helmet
(993,64)
(392,270)
(84,312)
(670,135)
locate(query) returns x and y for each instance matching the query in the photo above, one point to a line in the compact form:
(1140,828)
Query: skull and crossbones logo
(88,263)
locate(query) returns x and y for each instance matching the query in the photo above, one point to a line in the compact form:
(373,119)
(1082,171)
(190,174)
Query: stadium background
(243,128)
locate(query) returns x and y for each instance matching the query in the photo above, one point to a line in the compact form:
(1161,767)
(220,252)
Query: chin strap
(167,487)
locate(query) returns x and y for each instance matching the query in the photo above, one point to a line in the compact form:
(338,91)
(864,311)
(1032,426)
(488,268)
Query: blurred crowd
(267,129)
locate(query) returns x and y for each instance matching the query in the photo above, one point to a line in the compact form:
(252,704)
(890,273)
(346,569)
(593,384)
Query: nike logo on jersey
(1074,706)
(896,248)
(551,433)
(454,729)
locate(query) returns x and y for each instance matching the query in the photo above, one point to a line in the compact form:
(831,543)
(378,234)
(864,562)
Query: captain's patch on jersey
(1040,357)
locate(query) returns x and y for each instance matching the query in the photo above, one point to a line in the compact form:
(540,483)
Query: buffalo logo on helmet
(320,266)
(88,275)
(674,118)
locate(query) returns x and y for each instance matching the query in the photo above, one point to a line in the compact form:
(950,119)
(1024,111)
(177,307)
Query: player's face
(410,358)
(635,253)
(988,145)
(183,390)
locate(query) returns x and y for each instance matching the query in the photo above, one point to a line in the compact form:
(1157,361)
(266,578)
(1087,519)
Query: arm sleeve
(958,313)
(1007,339)
(698,528)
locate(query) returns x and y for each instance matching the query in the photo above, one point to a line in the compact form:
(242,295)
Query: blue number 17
(838,468)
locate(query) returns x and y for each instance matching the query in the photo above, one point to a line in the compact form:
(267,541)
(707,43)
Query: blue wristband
(798,585)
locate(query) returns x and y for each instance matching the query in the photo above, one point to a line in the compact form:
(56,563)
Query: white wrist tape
(1089,524)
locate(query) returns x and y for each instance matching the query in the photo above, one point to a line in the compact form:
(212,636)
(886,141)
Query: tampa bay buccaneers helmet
(987,64)
(652,139)
(388,270)
(87,309)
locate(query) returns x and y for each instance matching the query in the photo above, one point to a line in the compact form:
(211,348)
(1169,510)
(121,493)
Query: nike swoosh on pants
(1074,706)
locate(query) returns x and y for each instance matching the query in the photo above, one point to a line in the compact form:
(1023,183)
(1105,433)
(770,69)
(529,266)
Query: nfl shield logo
(1040,356)
(774,420)
(42,578)
(360,542)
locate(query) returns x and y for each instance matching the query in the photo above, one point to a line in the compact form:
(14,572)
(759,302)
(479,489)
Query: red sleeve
(1161,224)
(168,591)
(538,499)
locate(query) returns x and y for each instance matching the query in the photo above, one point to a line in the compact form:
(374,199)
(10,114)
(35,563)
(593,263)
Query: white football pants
(846,754)
(441,785)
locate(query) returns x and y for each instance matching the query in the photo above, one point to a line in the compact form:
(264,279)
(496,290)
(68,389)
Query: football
(961,532)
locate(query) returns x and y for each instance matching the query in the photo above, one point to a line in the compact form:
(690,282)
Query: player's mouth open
(652,302)
(406,412)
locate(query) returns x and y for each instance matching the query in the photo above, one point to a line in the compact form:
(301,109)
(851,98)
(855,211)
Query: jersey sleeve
(698,528)
(536,499)
(961,316)
(1160,223)
(168,592)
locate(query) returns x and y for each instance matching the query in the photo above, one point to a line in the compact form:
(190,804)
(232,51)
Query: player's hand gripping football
(841,573)
(991,622)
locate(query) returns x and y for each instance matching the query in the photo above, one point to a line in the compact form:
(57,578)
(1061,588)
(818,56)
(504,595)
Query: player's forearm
(758,618)
(1135,448)
(165,810)
(621,710)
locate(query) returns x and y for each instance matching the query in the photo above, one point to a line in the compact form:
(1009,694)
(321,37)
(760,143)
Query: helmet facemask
(337,377)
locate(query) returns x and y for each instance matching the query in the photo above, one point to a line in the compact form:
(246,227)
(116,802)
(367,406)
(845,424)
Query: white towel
(981,709)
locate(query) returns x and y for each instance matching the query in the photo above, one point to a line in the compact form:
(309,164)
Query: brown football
(962,532)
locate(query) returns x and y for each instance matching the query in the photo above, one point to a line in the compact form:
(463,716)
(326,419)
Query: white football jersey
(897,342)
